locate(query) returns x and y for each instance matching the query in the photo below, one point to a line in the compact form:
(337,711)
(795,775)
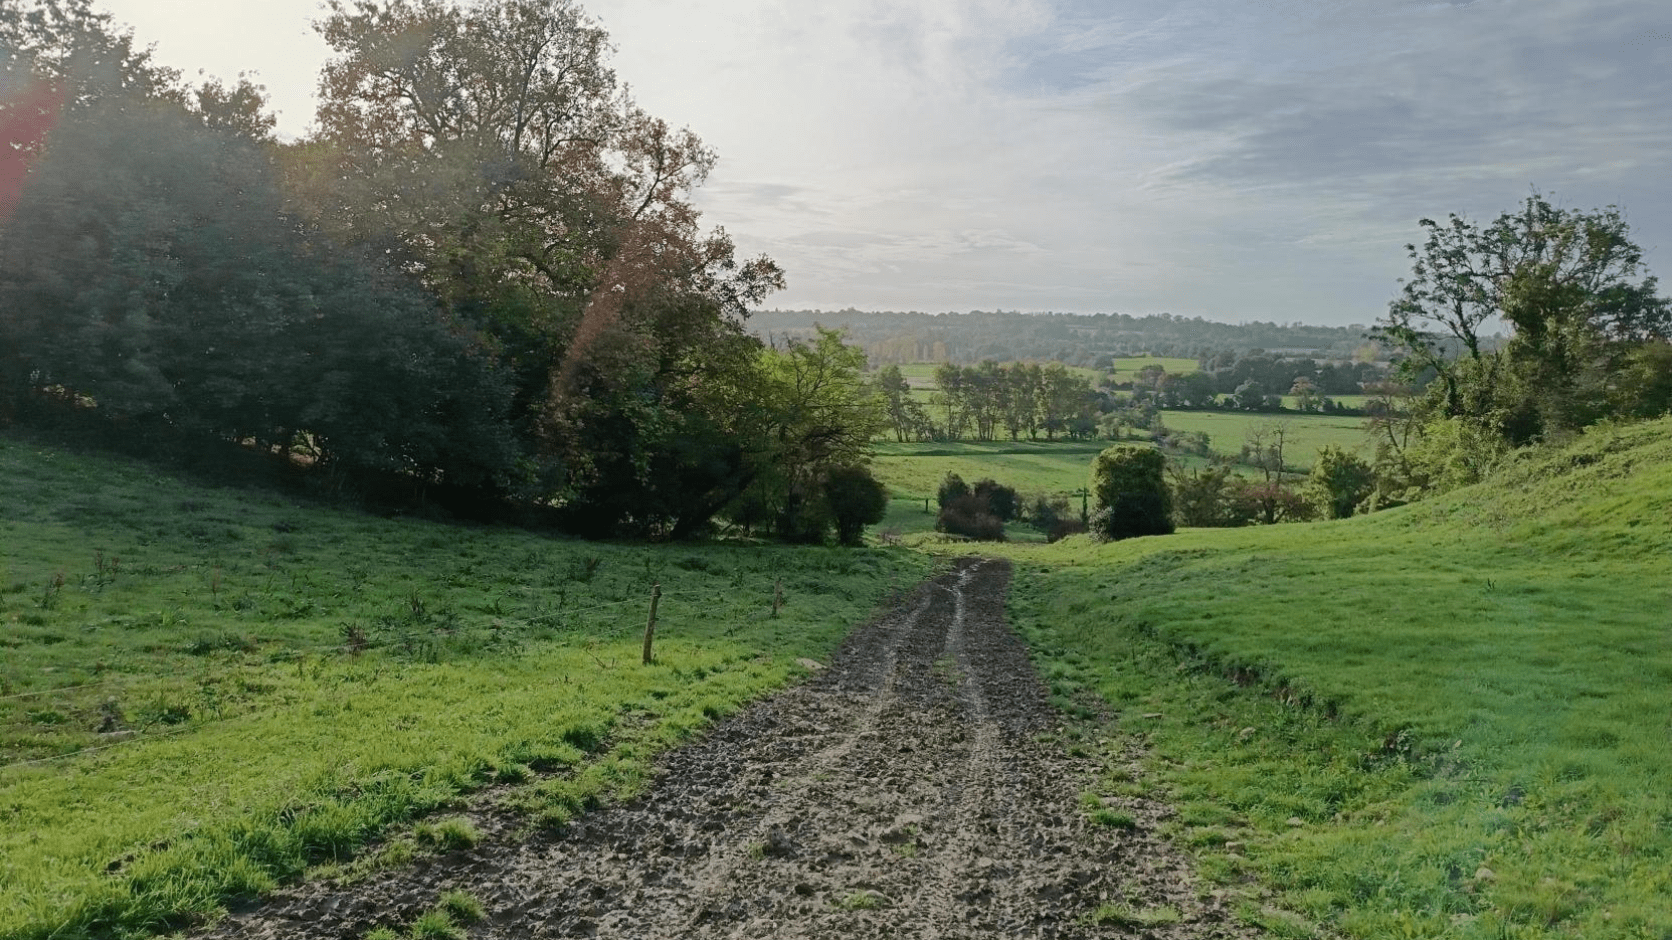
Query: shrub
(1128,484)
(951,488)
(855,499)
(968,516)
(1065,527)
(1001,500)
(1339,482)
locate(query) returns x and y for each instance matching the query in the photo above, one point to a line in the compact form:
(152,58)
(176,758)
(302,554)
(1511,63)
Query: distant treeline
(1086,340)
(989,401)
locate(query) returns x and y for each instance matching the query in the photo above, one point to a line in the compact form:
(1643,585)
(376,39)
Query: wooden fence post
(650,625)
(777,596)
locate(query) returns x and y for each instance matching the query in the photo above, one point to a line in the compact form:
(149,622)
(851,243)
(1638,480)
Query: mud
(915,788)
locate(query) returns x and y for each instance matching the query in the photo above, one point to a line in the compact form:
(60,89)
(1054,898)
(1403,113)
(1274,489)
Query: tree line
(989,401)
(481,276)
(1082,340)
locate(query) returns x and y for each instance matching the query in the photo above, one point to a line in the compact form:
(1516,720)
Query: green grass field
(915,470)
(181,663)
(1306,434)
(1449,720)
(1127,367)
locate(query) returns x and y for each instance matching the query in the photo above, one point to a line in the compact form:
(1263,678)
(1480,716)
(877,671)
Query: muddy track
(912,789)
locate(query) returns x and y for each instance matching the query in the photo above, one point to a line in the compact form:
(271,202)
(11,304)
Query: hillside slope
(208,691)
(1446,720)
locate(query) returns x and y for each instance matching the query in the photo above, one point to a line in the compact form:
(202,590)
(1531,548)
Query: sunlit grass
(1448,720)
(206,691)
(1305,434)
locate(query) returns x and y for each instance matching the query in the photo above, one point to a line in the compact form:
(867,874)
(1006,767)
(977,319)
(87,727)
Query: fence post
(777,597)
(650,625)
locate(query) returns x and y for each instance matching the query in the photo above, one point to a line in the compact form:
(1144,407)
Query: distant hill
(1076,339)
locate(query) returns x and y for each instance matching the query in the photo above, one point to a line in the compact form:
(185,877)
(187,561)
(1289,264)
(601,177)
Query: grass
(1446,720)
(916,469)
(1127,367)
(1125,915)
(178,664)
(1306,434)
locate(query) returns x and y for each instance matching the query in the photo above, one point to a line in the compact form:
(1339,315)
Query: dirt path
(912,789)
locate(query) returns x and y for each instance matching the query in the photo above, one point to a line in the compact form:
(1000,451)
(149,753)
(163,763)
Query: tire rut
(913,789)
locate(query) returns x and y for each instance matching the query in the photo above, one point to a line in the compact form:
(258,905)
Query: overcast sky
(1258,160)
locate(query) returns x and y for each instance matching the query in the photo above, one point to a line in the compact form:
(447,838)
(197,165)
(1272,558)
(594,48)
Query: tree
(151,270)
(1571,286)
(491,152)
(1339,482)
(855,499)
(1202,497)
(813,412)
(1129,487)
(1306,394)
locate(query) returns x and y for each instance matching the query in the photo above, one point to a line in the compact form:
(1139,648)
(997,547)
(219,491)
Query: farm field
(180,663)
(915,470)
(1127,367)
(1445,720)
(1227,430)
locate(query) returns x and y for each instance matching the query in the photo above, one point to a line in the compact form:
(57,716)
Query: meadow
(1444,720)
(181,662)
(1306,434)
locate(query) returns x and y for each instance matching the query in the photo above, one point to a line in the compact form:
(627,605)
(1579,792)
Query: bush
(1129,486)
(855,500)
(1339,482)
(1065,527)
(951,488)
(968,516)
(1001,500)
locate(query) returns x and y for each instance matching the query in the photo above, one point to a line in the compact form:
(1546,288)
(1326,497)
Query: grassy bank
(1448,720)
(206,691)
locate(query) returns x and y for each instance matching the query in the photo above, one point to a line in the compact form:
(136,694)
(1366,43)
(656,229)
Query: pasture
(181,661)
(1445,720)
(1306,433)
(915,470)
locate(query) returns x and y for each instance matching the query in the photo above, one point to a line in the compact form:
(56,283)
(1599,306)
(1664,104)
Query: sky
(1236,160)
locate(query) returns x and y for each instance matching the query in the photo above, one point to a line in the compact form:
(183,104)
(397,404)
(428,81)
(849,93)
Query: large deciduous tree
(1569,285)
(491,149)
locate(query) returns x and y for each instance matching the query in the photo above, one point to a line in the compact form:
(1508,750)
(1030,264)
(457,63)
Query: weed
(462,907)
(1125,915)
(866,900)
(1113,819)
(436,925)
(452,833)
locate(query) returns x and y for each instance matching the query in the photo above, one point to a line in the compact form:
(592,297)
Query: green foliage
(855,500)
(970,516)
(1584,318)
(817,417)
(1129,488)
(952,488)
(987,401)
(1000,500)
(1339,482)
